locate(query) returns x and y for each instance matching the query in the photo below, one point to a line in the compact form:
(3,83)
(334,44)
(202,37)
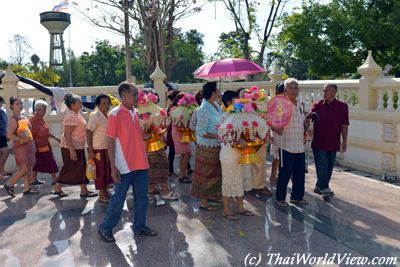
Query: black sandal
(30,192)
(10,190)
(185,180)
(146,231)
(89,194)
(245,213)
(208,207)
(58,193)
(230,217)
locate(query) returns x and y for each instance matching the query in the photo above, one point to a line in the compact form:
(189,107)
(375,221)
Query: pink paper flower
(142,101)
(256,95)
(255,124)
(145,116)
(248,107)
(218,126)
(181,117)
(163,112)
(229,126)
(254,89)
(245,124)
(153,98)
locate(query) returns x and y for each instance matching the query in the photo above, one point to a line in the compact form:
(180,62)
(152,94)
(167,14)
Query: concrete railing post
(276,77)
(158,77)
(369,71)
(9,83)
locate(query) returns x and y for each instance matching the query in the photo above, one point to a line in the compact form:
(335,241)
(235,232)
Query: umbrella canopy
(227,67)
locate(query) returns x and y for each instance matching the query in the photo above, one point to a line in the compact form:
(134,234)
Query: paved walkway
(363,219)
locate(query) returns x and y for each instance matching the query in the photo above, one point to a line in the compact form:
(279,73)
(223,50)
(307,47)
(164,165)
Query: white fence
(373,143)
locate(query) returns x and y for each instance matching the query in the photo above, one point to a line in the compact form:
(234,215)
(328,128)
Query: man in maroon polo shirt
(331,121)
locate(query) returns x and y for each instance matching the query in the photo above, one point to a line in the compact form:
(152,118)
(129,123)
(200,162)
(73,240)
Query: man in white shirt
(291,142)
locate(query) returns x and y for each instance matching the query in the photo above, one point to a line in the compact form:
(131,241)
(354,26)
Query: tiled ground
(362,219)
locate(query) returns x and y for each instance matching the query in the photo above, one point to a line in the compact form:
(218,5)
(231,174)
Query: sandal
(170,196)
(230,217)
(30,192)
(58,193)
(218,201)
(245,213)
(10,190)
(281,203)
(208,208)
(2,176)
(103,199)
(263,192)
(185,180)
(89,194)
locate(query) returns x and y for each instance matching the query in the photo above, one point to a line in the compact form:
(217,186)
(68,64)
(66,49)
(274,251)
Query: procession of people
(135,143)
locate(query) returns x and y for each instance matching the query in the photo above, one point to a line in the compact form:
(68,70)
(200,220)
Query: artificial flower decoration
(153,121)
(23,130)
(151,116)
(182,114)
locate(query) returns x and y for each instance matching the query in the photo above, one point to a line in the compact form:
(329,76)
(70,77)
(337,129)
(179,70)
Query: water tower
(56,23)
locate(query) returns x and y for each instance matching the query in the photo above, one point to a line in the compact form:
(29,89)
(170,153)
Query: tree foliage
(152,19)
(106,64)
(333,39)
(42,73)
(187,55)
(243,14)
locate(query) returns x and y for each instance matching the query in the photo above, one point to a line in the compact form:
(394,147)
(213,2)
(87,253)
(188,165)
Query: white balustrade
(398,100)
(389,102)
(48,100)
(380,102)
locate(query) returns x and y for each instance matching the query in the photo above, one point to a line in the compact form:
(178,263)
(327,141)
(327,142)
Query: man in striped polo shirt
(129,166)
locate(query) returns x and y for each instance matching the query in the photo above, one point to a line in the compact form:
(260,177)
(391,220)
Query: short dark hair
(1,99)
(124,87)
(172,96)
(280,87)
(198,97)
(70,99)
(13,99)
(97,101)
(228,96)
(208,89)
(175,101)
(333,85)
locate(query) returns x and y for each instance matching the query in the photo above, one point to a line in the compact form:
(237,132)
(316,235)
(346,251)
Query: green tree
(333,39)
(99,67)
(3,64)
(187,55)
(42,73)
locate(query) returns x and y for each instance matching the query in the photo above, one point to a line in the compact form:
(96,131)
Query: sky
(81,35)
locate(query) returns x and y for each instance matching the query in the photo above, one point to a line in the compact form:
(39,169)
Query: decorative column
(369,71)
(9,82)
(158,77)
(276,77)
(398,100)
(390,101)
(379,104)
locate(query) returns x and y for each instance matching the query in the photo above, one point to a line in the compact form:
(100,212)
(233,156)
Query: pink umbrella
(227,67)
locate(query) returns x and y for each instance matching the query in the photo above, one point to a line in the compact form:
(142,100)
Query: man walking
(291,140)
(331,122)
(129,166)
